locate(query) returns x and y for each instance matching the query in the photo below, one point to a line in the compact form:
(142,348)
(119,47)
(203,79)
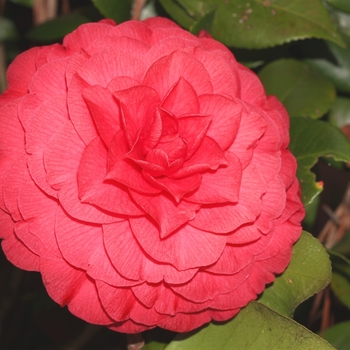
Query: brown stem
(137,8)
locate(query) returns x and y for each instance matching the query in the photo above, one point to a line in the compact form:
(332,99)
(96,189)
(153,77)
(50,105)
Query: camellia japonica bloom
(146,175)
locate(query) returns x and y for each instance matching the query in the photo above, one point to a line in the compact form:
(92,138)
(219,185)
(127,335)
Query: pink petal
(176,187)
(244,234)
(68,198)
(220,186)
(193,130)
(182,322)
(252,91)
(168,214)
(137,47)
(268,162)
(226,117)
(131,261)
(6,224)
(27,106)
(214,285)
(124,170)
(62,156)
(181,99)
(47,118)
(288,168)
(20,72)
(138,106)
(128,326)
(19,254)
(208,156)
(165,301)
(251,128)
(69,286)
(110,63)
(76,60)
(121,83)
(223,75)
(166,72)
(37,172)
(187,248)
(104,111)
(78,110)
(228,217)
(94,190)
(133,29)
(82,246)
(121,304)
(50,79)
(84,35)
(11,184)
(39,211)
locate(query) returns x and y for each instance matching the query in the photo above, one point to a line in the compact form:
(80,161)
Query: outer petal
(187,248)
(131,261)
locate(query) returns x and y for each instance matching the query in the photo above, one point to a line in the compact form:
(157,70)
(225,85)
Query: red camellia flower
(145,174)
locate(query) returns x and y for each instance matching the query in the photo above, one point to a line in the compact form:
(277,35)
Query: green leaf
(118,10)
(154,345)
(57,28)
(342,5)
(7,30)
(339,74)
(301,89)
(340,284)
(256,327)
(259,23)
(178,13)
(338,335)
(308,272)
(339,114)
(311,139)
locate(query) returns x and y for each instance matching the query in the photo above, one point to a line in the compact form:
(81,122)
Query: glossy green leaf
(340,284)
(258,23)
(154,345)
(120,11)
(311,139)
(256,327)
(338,74)
(57,28)
(308,272)
(339,335)
(339,114)
(176,11)
(342,5)
(7,29)
(301,89)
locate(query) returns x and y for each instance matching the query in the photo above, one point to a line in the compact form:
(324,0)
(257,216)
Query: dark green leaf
(57,28)
(339,74)
(340,112)
(178,13)
(7,29)
(338,335)
(120,11)
(154,345)
(258,23)
(342,5)
(340,284)
(204,23)
(302,90)
(256,327)
(308,272)
(311,139)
